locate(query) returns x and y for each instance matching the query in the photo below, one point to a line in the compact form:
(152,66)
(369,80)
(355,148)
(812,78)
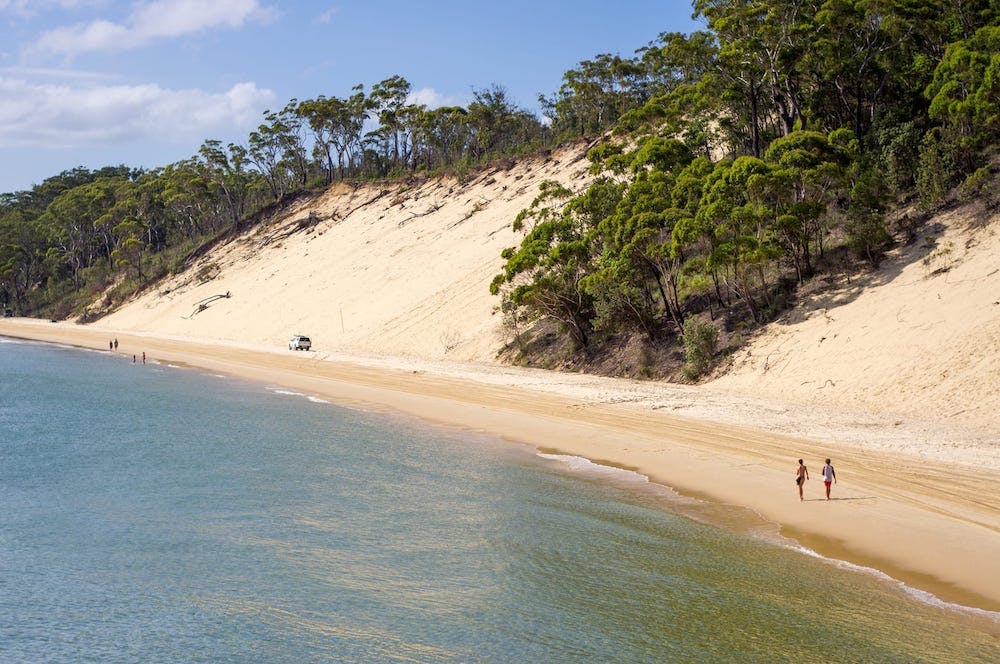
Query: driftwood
(201,305)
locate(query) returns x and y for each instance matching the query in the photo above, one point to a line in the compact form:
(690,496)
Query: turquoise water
(155,514)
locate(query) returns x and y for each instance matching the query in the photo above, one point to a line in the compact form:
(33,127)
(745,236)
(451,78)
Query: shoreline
(932,525)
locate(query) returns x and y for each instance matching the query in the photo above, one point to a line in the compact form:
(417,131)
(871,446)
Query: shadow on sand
(823,500)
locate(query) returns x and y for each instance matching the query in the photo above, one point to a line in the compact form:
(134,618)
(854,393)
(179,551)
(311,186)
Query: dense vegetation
(734,161)
(83,233)
(742,155)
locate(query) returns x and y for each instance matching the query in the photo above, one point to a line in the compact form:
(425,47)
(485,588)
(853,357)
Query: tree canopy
(729,161)
(735,156)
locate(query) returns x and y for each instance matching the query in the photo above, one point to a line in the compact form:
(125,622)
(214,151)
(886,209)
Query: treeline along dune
(660,212)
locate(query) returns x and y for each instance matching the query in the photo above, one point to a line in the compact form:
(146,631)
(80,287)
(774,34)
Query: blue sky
(144,82)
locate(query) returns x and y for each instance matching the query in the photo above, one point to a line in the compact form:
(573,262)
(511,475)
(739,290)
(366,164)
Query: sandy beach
(924,520)
(892,373)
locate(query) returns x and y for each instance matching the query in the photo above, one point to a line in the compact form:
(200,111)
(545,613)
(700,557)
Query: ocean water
(158,514)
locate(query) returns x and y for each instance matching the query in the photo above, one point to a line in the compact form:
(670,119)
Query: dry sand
(395,269)
(920,337)
(895,377)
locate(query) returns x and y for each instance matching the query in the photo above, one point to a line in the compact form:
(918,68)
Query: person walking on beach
(111,345)
(801,475)
(143,357)
(829,476)
(116,344)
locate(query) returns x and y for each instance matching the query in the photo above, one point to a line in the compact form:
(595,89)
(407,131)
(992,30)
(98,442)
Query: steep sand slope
(920,337)
(402,271)
(395,269)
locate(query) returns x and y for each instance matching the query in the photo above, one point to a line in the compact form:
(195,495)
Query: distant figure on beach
(116,344)
(143,357)
(829,476)
(111,345)
(801,475)
(133,359)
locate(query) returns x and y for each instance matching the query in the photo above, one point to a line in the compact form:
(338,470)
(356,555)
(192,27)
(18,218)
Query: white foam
(921,596)
(292,393)
(278,390)
(583,465)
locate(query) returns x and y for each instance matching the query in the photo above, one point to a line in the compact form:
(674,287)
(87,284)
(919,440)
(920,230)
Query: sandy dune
(895,375)
(400,269)
(919,338)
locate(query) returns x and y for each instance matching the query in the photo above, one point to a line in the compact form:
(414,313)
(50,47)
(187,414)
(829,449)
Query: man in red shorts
(829,476)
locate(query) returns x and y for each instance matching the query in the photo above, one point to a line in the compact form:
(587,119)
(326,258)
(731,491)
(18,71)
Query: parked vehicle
(299,342)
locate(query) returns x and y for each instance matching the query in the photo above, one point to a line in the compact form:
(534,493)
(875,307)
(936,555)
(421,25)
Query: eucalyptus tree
(295,157)
(336,126)
(321,114)
(131,247)
(389,102)
(22,253)
(188,200)
(677,59)
(867,56)
(440,136)
(805,177)
(739,242)
(964,101)
(490,114)
(544,275)
(768,40)
(635,279)
(225,171)
(595,94)
(77,225)
(349,128)
(275,150)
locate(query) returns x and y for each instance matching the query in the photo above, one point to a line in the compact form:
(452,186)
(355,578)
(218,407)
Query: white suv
(299,342)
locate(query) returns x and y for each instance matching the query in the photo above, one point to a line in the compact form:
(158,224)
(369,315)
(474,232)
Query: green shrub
(700,339)
(935,172)
(981,184)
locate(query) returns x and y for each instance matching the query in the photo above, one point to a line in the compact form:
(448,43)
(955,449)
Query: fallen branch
(201,305)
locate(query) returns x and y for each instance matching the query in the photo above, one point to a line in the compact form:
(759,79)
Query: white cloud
(149,22)
(431,98)
(62,116)
(327,16)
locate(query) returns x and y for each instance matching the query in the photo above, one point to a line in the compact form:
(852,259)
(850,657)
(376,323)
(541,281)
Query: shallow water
(162,515)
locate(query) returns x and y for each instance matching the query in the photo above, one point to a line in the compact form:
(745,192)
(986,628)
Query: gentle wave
(582,464)
(586,466)
(293,393)
(922,596)
(281,390)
